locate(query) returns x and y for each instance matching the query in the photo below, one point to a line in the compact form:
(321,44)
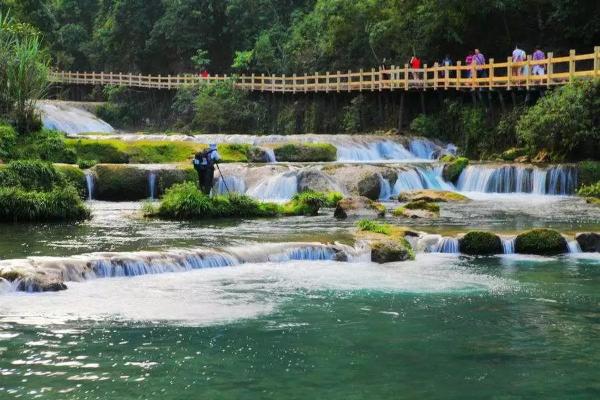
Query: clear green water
(440,327)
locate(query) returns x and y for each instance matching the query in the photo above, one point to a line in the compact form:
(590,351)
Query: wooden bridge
(504,75)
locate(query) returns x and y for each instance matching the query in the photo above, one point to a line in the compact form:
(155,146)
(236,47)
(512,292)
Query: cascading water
(424,149)
(67,118)
(385,189)
(508,245)
(421,178)
(557,180)
(270,153)
(281,187)
(89,182)
(230,184)
(448,245)
(574,246)
(152,185)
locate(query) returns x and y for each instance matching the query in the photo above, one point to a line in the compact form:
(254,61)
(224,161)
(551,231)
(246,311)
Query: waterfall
(385,191)
(229,184)
(508,245)
(574,246)
(557,180)
(407,180)
(89,181)
(373,151)
(447,245)
(64,117)
(39,271)
(424,149)
(421,178)
(270,153)
(280,187)
(152,185)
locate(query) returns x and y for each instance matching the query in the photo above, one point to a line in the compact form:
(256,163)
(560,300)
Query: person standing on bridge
(518,55)
(479,61)
(204,163)
(469,62)
(415,65)
(538,68)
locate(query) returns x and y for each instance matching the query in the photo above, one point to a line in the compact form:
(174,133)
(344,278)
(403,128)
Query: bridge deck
(505,75)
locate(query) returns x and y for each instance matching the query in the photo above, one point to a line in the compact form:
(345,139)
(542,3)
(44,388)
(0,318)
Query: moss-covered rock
(453,169)
(513,153)
(100,151)
(369,186)
(306,152)
(422,205)
(358,207)
(388,250)
(120,182)
(543,242)
(480,243)
(432,196)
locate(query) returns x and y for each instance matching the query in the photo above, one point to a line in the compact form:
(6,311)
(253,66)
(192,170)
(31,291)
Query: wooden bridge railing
(503,75)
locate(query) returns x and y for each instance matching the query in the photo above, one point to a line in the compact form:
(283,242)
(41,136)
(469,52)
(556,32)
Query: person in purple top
(538,55)
(479,61)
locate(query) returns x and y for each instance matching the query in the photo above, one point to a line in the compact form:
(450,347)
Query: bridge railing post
(425,78)
(372,79)
(571,65)
(272,83)
(252,81)
(529,74)
(349,80)
(458,74)
(446,76)
(491,74)
(360,80)
(436,67)
(509,71)
(597,61)
(283,83)
(339,81)
(406,80)
(327,82)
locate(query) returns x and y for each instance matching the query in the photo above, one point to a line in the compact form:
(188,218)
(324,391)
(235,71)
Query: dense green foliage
(480,243)
(588,172)
(544,242)
(566,122)
(590,190)
(38,191)
(306,152)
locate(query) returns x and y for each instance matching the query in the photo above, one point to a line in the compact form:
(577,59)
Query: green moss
(60,204)
(120,182)
(101,151)
(31,175)
(453,169)
(332,199)
(432,196)
(74,176)
(385,251)
(590,190)
(480,243)
(541,242)
(422,205)
(588,172)
(305,203)
(306,152)
(375,227)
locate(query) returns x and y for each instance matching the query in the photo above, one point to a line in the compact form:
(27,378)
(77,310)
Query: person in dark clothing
(204,164)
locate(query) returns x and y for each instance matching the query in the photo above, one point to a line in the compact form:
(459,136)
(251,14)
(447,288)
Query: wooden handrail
(498,75)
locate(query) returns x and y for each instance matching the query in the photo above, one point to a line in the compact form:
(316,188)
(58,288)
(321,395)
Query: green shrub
(426,125)
(116,182)
(60,204)
(185,202)
(588,172)
(565,122)
(332,199)
(31,175)
(306,152)
(86,164)
(480,243)
(590,190)
(101,151)
(305,203)
(513,153)
(453,169)
(544,242)
(8,142)
(75,177)
(423,205)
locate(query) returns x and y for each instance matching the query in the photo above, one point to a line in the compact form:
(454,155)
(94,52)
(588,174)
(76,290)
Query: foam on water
(211,296)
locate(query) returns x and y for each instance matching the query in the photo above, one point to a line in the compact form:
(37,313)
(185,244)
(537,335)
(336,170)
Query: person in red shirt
(415,64)
(204,73)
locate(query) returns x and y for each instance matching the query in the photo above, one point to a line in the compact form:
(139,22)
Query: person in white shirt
(518,55)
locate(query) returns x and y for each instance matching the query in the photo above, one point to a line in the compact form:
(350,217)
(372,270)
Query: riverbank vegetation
(34,191)
(185,202)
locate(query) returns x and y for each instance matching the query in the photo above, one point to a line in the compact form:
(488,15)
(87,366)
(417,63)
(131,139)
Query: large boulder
(480,243)
(118,182)
(359,207)
(369,186)
(306,152)
(317,181)
(432,196)
(454,167)
(390,250)
(589,242)
(544,242)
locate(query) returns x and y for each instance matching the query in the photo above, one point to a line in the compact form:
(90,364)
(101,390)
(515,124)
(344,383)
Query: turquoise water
(439,327)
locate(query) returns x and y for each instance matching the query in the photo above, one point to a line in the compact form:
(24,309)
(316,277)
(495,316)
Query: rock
(589,242)
(542,157)
(306,152)
(358,207)
(389,250)
(369,186)
(317,181)
(414,214)
(432,196)
(422,205)
(544,242)
(453,169)
(480,243)
(522,159)
(257,155)
(117,182)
